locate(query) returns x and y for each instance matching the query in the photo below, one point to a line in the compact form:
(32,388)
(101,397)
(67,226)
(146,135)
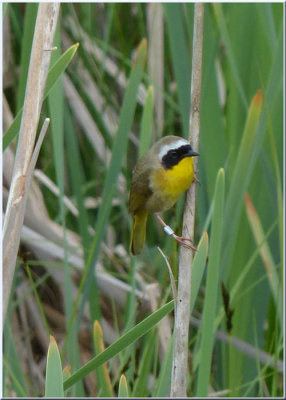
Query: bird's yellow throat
(175,180)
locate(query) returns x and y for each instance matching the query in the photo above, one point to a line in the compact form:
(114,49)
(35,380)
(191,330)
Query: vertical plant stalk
(156,60)
(36,81)
(182,320)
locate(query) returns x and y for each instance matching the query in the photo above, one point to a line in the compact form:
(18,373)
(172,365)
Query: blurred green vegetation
(100,118)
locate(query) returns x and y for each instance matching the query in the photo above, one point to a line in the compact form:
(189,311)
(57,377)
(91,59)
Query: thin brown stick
(181,331)
(38,70)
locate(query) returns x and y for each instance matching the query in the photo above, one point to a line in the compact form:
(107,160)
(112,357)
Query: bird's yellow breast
(173,181)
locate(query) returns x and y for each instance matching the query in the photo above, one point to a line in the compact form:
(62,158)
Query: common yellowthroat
(158,179)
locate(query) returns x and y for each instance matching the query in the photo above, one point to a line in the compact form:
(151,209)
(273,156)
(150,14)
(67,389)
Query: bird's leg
(180,239)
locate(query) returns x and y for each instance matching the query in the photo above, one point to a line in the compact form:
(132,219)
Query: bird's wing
(140,189)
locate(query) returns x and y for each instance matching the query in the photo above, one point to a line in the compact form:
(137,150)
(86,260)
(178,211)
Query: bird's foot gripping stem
(196,180)
(186,242)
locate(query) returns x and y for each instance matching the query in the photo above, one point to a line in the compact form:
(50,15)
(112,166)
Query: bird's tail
(138,231)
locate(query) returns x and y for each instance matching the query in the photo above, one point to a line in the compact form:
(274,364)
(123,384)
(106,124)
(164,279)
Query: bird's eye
(173,153)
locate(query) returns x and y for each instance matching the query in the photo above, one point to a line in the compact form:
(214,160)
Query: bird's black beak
(192,153)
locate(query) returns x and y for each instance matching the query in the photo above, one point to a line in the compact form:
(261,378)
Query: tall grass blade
(164,381)
(54,373)
(118,152)
(198,268)
(11,364)
(17,386)
(146,123)
(53,75)
(29,26)
(124,341)
(221,21)
(123,391)
(212,289)
(56,107)
(78,179)
(239,178)
(181,62)
(104,382)
(266,256)
(141,383)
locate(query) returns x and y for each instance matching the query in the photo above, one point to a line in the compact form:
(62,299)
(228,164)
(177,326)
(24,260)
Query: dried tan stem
(156,60)
(164,326)
(38,70)
(181,331)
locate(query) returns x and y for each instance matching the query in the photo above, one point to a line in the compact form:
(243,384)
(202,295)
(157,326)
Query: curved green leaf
(54,74)
(124,341)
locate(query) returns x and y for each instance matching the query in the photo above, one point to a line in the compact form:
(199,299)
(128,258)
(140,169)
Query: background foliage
(78,222)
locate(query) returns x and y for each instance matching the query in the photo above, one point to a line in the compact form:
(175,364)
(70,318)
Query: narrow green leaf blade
(123,391)
(55,72)
(175,24)
(124,341)
(146,122)
(103,378)
(30,20)
(212,287)
(54,374)
(198,268)
(239,178)
(164,381)
(140,386)
(221,21)
(266,255)
(118,152)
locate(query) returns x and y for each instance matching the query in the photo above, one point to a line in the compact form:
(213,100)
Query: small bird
(158,179)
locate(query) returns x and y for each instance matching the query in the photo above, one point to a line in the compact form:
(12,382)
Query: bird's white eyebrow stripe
(171,146)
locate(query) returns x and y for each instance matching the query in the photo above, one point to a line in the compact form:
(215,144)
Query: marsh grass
(102,111)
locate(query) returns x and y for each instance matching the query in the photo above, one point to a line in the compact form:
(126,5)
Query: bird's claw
(180,239)
(195,180)
(183,241)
